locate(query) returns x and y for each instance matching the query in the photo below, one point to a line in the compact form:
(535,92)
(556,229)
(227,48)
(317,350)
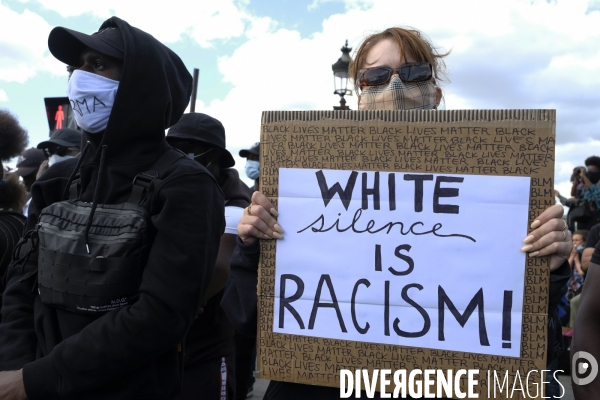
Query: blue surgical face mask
(252,169)
(580,248)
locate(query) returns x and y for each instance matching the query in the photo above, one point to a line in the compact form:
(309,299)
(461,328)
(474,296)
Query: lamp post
(340,77)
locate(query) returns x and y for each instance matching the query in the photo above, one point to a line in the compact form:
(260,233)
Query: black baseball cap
(66,45)
(29,161)
(62,137)
(204,129)
(255,150)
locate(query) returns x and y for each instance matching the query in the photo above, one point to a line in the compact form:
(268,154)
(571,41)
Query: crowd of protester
(182,332)
(583,220)
(583,217)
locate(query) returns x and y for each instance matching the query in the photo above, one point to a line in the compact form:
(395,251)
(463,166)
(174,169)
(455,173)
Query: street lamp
(340,77)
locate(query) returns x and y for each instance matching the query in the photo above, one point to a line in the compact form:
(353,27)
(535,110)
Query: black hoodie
(131,352)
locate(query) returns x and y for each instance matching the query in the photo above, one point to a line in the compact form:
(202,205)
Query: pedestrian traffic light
(59,113)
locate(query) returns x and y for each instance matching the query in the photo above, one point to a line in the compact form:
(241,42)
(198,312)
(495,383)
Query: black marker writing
(386,227)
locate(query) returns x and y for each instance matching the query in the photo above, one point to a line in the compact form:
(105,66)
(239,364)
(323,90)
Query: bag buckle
(144,179)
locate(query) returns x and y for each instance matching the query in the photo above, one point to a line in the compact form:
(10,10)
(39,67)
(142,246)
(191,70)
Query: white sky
(266,55)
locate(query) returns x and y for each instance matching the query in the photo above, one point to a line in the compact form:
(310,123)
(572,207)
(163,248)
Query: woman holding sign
(397,69)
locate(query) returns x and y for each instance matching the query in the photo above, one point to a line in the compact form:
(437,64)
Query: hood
(154,90)
(153,93)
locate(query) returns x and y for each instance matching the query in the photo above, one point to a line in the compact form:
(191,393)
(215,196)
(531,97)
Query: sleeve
(592,195)
(232,217)
(18,341)
(176,275)
(558,288)
(596,255)
(558,284)
(593,239)
(240,300)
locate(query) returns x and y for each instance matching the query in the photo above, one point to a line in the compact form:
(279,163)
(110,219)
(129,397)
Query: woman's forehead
(386,52)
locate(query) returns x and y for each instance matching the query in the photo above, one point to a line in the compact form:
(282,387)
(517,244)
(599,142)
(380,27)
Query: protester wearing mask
(575,283)
(128,348)
(394,69)
(62,145)
(28,165)
(252,156)
(210,364)
(578,275)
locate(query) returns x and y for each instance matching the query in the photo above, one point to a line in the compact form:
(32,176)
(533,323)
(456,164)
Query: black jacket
(131,352)
(11,229)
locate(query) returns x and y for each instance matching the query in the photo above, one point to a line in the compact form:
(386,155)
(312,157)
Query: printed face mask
(594,177)
(55,158)
(252,169)
(397,95)
(92,97)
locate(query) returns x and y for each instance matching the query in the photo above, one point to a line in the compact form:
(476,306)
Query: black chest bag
(91,257)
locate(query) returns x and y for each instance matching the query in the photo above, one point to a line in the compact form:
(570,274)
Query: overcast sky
(277,55)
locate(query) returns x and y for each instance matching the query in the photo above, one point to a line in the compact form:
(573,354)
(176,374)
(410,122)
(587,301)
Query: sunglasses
(410,72)
(58,150)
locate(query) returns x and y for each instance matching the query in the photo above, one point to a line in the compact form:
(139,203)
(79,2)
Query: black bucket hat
(202,128)
(66,44)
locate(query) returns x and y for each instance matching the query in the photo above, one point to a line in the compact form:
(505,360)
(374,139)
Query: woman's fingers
(261,219)
(260,199)
(258,221)
(553,242)
(556,224)
(552,212)
(549,237)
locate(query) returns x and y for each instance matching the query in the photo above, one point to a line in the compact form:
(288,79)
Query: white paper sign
(420,260)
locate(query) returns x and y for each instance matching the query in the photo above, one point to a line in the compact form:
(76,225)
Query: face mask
(594,177)
(252,169)
(580,248)
(92,97)
(397,95)
(55,158)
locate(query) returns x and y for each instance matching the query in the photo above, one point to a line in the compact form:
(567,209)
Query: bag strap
(142,181)
(75,188)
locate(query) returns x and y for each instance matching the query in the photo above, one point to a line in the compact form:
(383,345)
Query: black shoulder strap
(75,188)
(142,181)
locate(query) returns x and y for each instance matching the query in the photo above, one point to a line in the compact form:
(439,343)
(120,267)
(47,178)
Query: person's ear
(438,96)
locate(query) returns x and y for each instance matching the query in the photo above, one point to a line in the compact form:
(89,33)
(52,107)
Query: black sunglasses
(410,72)
(58,150)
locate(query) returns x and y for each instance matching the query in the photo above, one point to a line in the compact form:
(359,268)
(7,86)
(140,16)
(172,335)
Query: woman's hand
(11,385)
(573,256)
(549,236)
(258,221)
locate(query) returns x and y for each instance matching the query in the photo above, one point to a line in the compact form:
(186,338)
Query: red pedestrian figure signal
(59,118)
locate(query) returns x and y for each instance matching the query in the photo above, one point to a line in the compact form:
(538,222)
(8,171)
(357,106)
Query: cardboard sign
(402,242)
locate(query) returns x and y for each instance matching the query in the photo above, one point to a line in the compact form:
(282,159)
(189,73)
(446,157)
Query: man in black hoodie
(135,89)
